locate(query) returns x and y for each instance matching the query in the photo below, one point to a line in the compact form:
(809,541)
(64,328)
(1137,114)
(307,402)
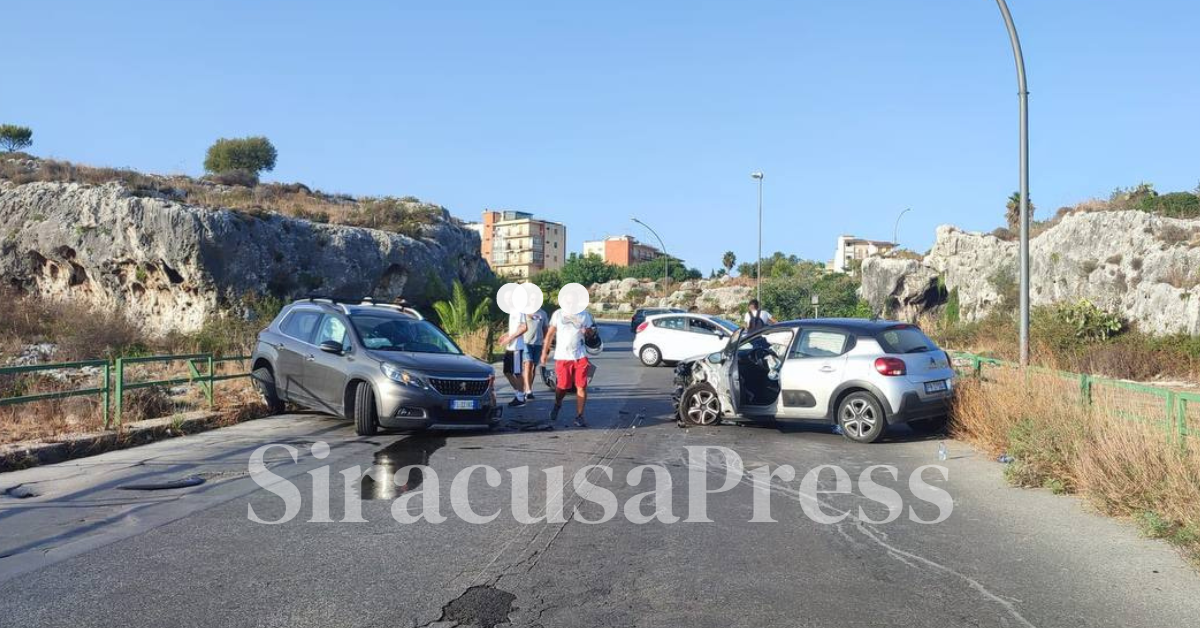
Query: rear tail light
(642,327)
(889,366)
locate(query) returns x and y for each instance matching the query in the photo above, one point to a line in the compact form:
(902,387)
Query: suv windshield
(382,332)
(905,339)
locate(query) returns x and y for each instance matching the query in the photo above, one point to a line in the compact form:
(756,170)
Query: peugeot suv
(381,365)
(862,375)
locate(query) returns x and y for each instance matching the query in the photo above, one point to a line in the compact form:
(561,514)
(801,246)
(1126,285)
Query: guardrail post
(120,391)
(211,381)
(1085,389)
(1170,415)
(106,396)
(1181,421)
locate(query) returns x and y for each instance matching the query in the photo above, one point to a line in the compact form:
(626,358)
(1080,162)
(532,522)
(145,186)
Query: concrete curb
(25,455)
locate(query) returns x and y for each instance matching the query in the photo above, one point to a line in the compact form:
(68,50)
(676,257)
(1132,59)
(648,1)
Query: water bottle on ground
(942,453)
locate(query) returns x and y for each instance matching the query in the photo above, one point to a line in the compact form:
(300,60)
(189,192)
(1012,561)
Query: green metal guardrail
(104,389)
(1173,405)
(115,381)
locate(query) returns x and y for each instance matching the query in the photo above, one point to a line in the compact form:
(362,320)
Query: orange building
(621,250)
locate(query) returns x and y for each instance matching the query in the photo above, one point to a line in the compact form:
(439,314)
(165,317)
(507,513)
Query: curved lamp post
(896,231)
(758,176)
(1023,95)
(666,258)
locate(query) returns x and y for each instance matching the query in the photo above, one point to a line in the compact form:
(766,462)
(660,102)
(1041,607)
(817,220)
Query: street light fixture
(896,231)
(1023,96)
(758,176)
(666,258)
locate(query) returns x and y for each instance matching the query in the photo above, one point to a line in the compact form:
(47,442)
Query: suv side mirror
(332,346)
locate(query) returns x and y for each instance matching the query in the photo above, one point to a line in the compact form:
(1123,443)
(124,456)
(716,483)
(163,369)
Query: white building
(851,249)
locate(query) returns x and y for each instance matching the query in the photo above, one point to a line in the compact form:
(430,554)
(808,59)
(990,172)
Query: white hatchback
(674,337)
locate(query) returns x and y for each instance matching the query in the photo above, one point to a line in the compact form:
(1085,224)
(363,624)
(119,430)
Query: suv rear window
(905,340)
(300,324)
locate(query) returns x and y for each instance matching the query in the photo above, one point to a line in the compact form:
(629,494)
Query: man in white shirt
(567,333)
(756,317)
(514,355)
(533,348)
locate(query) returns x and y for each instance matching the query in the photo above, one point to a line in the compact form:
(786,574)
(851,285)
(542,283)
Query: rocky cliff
(1142,266)
(170,265)
(710,296)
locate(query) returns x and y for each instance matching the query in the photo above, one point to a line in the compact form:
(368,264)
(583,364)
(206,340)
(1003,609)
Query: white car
(674,337)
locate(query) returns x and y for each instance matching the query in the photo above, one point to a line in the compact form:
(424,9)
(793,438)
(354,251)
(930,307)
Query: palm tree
(728,260)
(1013,215)
(457,316)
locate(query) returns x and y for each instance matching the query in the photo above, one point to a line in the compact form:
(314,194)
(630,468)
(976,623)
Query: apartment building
(622,250)
(516,244)
(851,249)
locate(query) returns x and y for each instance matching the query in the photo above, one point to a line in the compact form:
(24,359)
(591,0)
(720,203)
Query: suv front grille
(459,387)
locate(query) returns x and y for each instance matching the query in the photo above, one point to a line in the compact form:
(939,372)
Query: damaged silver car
(862,375)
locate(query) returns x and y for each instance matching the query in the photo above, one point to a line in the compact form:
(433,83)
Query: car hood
(444,364)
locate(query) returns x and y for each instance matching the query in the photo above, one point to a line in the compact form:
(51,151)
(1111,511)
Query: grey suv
(381,365)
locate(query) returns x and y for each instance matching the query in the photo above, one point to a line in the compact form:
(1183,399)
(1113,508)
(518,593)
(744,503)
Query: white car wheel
(650,355)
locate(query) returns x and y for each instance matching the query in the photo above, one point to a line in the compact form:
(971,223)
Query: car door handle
(826,369)
(310,358)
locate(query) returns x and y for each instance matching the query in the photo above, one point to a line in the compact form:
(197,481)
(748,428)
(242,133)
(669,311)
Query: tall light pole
(758,176)
(896,231)
(666,258)
(1023,95)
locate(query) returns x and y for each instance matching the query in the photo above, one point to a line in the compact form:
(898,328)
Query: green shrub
(1088,321)
(1173,204)
(250,154)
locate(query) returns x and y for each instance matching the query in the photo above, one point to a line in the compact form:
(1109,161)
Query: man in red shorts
(566,334)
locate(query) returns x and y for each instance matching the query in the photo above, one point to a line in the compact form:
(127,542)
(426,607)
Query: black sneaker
(580,422)
(554,413)
(516,402)
(528,396)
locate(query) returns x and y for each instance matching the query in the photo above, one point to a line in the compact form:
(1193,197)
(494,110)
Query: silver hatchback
(861,374)
(381,365)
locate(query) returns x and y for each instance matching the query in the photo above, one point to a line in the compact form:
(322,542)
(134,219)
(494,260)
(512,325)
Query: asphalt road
(84,551)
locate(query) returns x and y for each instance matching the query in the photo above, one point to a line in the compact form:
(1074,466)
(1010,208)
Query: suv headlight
(401,376)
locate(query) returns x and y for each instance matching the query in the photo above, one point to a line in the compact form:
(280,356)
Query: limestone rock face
(170,265)
(1144,267)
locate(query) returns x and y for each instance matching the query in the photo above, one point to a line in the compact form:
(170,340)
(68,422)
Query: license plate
(463,404)
(938,386)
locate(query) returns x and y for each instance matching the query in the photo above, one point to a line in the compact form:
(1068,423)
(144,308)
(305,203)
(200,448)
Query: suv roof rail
(341,303)
(324,300)
(402,306)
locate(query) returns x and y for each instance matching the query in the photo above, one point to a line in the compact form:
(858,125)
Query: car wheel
(264,381)
(861,417)
(366,415)
(928,426)
(650,355)
(700,405)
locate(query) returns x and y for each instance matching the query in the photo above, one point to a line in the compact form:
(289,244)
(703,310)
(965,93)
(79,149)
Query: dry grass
(1124,467)
(477,343)
(407,216)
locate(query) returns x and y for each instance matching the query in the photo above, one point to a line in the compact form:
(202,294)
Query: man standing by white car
(566,334)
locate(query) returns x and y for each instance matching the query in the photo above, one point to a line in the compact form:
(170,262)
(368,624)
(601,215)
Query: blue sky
(590,113)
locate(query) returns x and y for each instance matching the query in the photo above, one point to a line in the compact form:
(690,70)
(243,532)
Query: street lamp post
(896,231)
(1023,95)
(758,176)
(666,258)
